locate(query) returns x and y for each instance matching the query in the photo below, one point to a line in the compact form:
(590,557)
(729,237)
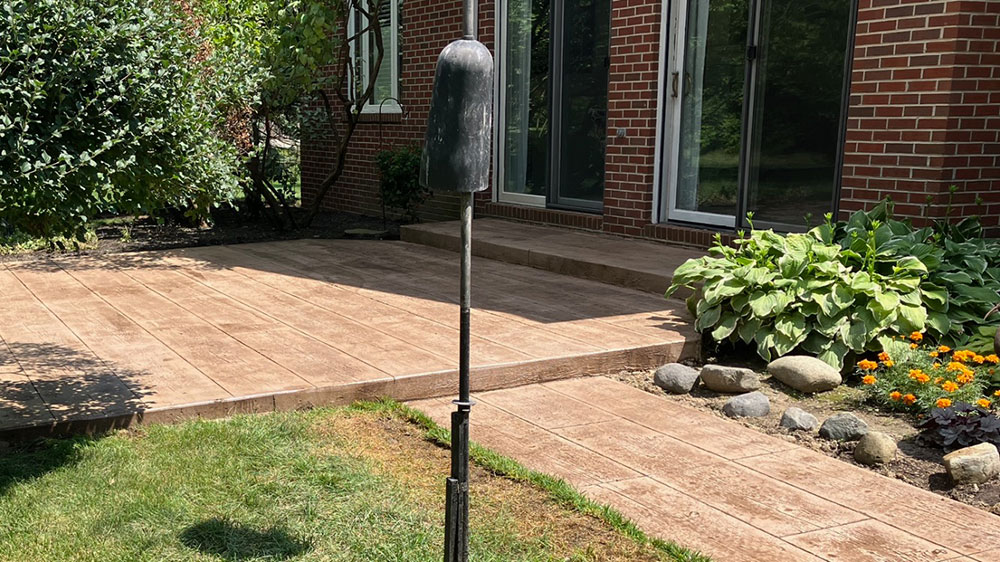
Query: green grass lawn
(363,483)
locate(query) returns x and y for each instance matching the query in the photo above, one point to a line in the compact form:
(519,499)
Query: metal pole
(456,518)
(470,9)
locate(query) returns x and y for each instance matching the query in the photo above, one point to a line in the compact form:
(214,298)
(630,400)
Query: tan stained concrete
(88,343)
(716,486)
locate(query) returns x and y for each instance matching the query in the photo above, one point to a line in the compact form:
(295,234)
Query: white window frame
(391,56)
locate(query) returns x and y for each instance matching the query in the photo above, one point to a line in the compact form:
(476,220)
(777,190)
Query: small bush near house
(912,377)
(783,292)
(399,187)
(841,286)
(961,425)
(100,113)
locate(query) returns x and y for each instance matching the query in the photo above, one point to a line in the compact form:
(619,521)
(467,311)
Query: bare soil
(397,449)
(915,464)
(136,234)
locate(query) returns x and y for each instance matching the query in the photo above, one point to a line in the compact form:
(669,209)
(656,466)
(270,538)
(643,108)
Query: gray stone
(729,379)
(750,405)
(804,373)
(798,419)
(973,465)
(843,427)
(676,378)
(875,447)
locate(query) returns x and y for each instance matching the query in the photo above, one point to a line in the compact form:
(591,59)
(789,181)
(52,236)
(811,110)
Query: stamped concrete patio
(97,342)
(714,485)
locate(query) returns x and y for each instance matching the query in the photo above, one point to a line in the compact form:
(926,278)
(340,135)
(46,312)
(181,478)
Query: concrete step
(626,262)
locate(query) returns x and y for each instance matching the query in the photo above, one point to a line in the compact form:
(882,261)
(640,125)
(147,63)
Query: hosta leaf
(939,322)
(725,327)
(762,304)
(765,341)
(717,290)
(934,297)
(708,319)
(792,325)
(886,301)
(911,318)
(834,354)
(909,264)
(855,334)
(748,329)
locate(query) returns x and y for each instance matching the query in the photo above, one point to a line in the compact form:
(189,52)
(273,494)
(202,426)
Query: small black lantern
(456,157)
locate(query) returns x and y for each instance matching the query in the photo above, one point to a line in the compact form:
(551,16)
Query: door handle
(673,84)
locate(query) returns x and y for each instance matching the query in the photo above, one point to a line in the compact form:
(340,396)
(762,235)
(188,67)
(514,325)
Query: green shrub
(912,377)
(783,292)
(841,286)
(399,187)
(101,112)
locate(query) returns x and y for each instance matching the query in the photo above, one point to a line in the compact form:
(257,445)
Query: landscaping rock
(797,419)
(804,373)
(676,378)
(973,465)
(843,427)
(729,379)
(750,405)
(875,447)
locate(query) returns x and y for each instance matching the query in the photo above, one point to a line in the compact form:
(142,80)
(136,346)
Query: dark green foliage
(101,112)
(399,187)
(961,425)
(841,286)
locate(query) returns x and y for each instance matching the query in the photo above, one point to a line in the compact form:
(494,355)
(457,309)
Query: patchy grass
(364,483)
(18,243)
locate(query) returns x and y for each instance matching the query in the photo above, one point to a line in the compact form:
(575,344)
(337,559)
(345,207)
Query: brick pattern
(925,109)
(428,25)
(586,221)
(692,236)
(632,90)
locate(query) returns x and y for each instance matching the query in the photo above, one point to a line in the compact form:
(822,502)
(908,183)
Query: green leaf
(748,329)
(834,354)
(725,327)
(762,304)
(708,319)
(939,322)
(911,318)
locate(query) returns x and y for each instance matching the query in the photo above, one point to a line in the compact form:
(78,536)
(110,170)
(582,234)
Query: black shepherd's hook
(405,114)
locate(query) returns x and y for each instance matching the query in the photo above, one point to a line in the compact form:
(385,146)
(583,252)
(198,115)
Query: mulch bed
(915,464)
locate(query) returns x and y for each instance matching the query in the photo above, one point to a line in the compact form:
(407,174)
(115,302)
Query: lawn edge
(558,489)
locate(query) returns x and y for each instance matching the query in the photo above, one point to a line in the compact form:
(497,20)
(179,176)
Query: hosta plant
(804,291)
(910,376)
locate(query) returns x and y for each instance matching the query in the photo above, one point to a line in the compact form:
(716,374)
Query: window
(385,97)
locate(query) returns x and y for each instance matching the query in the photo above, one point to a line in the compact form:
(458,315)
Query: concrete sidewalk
(716,486)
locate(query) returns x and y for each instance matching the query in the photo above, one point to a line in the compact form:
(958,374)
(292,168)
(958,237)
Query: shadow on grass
(236,543)
(28,461)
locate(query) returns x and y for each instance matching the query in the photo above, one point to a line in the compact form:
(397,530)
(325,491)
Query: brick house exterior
(922,114)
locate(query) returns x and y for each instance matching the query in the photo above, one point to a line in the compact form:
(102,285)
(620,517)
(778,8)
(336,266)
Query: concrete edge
(404,388)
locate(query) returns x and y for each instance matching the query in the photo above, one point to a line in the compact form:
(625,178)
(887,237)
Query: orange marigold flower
(909,399)
(955,366)
(997,393)
(984,403)
(866,365)
(992,358)
(936,366)
(943,403)
(938,380)
(922,378)
(895,396)
(933,354)
(943,348)
(914,346)
(869,379)
(884,357)
(965,377)
(914,373)
(978,359)
(963,355)
(949,386)
(916,336)
(888,363)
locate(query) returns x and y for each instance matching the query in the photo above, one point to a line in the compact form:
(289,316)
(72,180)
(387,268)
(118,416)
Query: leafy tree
(101,112)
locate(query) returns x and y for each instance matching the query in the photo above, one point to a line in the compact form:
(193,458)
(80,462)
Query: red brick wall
(428,25)
(925,108)
(634,75)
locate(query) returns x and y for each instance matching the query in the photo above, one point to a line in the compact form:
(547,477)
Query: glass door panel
(798,93)
(711,90)
(527,138)
(583,102)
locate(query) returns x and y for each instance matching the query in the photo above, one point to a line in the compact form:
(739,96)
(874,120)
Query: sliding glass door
(553,101)
(756,99)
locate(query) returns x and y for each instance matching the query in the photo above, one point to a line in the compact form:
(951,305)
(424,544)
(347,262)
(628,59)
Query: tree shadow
(30,460)
(236,543)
